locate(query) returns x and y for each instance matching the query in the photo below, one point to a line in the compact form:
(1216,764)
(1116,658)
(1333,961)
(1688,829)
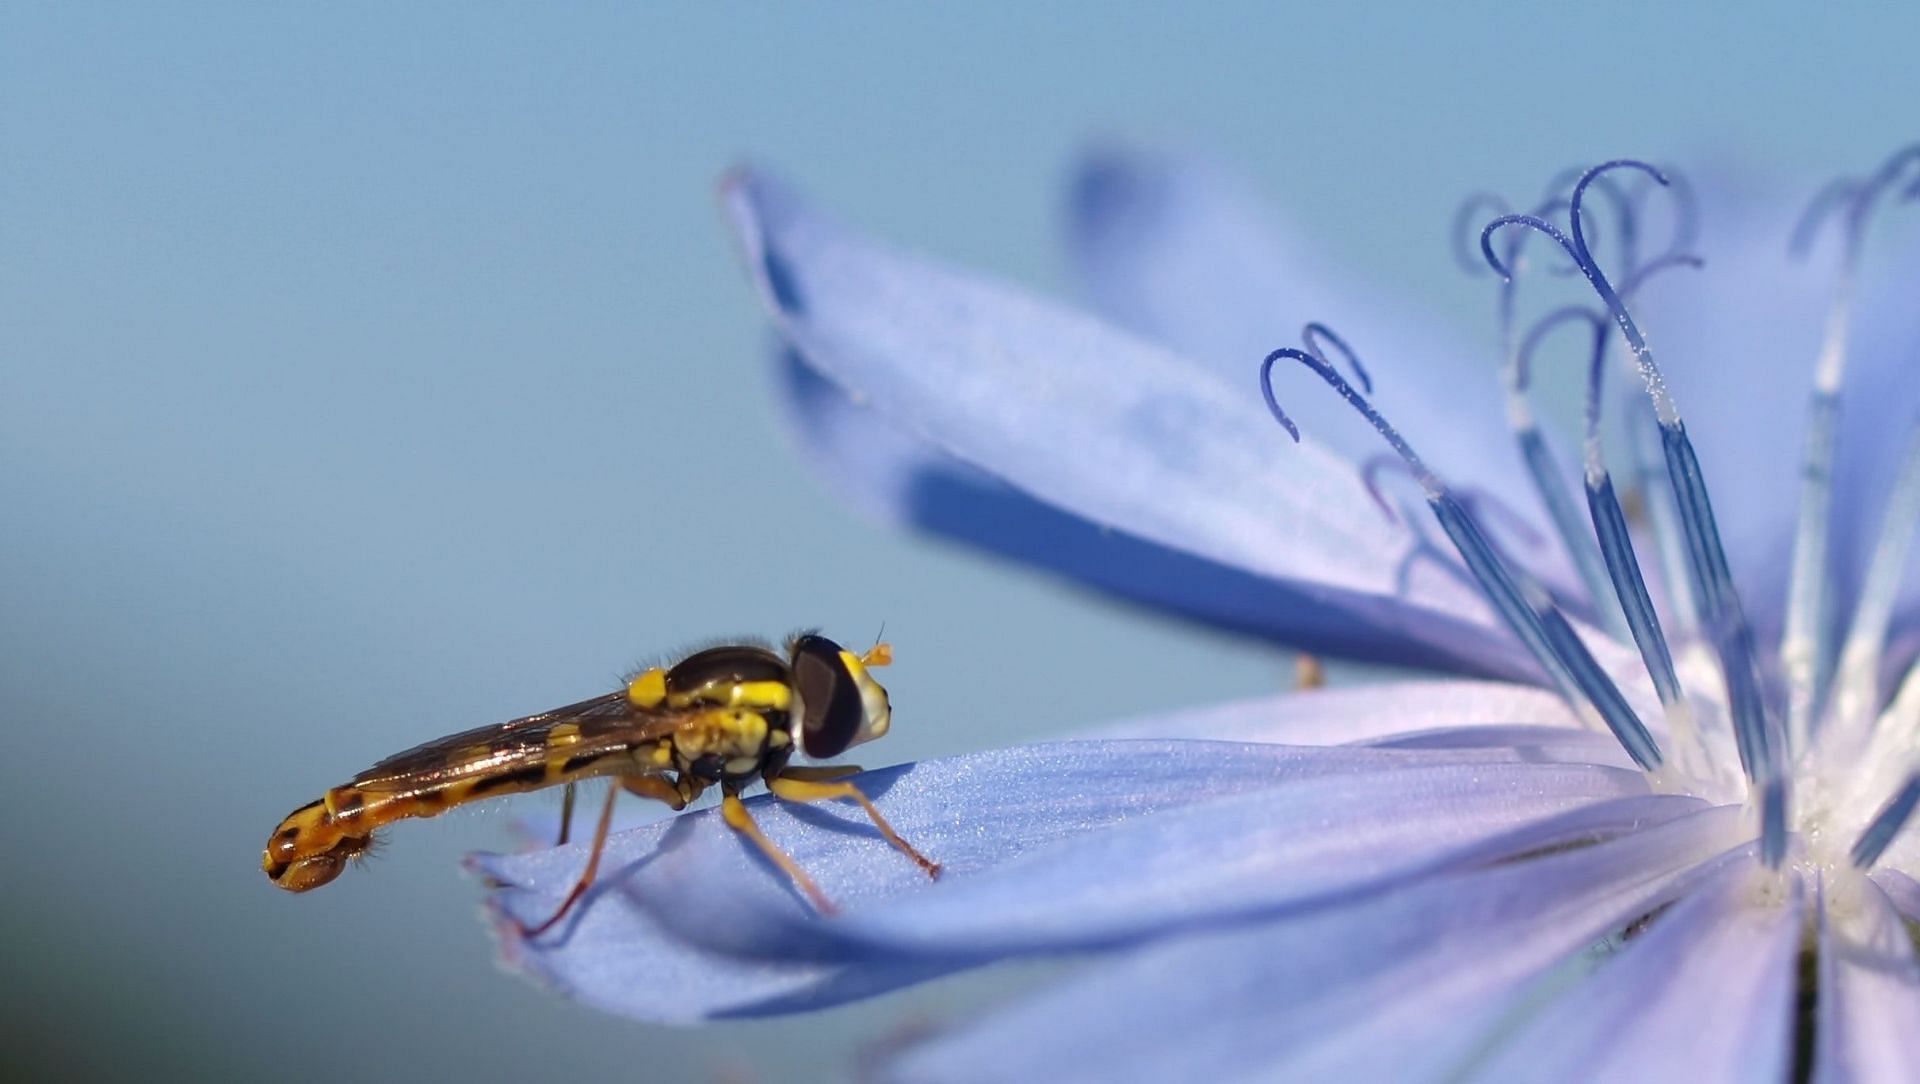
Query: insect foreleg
(789,788)
(586,875)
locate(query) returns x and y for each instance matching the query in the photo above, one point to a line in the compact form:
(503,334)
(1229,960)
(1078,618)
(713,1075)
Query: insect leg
(586,875)
(791,788)
(654,787)
(566,815)
(820,773)
(734,812)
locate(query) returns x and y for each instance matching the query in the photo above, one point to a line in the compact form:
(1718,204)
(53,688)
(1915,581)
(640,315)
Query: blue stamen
(1369,472)
(1548,480)
(1538,459)
(1610,523)
(1886,824)
(1316,331)
(1475,500)
(1632,283)
(1857,684)
(1523,605)
(1806,644)
(1545,326)
(1434,555)
(1724,621)
(1464,218)
(1725,618)
(1423,547)
(1603,504)
(1773,821)
(1834,195)
(1686,214)
(1649,473)
(1472,498)
(1624,206)
(1858,199)
(1805,639)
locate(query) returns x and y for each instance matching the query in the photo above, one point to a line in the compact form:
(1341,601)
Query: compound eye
(831,708)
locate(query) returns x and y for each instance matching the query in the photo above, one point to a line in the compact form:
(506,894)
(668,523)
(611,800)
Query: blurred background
(369,372)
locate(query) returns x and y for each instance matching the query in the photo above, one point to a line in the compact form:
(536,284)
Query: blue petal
(1183,252)
(619,960)
(1331,716)
(1869,1010)
(907,482)
(1404,986)
(1315,844)
(968,812)
(1339,825)
(1110,429)
(1706,994)
(1902,891)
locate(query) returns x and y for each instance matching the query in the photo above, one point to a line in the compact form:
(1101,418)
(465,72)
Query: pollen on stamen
(1756,732)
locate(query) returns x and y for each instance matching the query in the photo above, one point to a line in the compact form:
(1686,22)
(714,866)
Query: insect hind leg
(586,876)
(645,786)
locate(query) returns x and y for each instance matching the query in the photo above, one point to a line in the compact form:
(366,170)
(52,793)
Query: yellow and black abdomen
(314,843)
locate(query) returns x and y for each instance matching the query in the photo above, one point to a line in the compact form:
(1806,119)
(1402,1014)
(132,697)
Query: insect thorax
(746,729)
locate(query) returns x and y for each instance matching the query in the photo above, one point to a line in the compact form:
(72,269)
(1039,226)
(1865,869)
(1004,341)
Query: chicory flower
(1656,830)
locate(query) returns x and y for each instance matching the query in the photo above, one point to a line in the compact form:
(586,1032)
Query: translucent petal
(1707,993)
(1331,716)
(1158,449)
(905,481)
(1306,843)
(1184,252)
(1404,986)
(1198,875)
(619,960)
(1902,891)
(1869,1010)
(969,812)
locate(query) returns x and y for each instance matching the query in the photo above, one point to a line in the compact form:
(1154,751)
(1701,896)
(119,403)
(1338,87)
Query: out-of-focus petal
(1707,994)
(1902,891)
(1869,1009)
(1099,423)
(1404,986)
(968,812)
(1330,716)
(1184,252)
(907,482)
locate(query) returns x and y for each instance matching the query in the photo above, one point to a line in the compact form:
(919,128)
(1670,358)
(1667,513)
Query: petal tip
(750,199)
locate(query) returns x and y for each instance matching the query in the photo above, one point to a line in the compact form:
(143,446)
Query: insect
(726,716)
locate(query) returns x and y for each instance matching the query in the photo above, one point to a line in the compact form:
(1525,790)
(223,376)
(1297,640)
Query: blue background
(370,372)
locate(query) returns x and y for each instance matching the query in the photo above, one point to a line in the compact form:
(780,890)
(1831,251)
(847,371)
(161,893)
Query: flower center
(1816,753)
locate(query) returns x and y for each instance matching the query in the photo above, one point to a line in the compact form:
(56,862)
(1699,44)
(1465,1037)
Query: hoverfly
(725,716)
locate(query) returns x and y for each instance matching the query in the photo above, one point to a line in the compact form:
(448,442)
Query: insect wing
(604,725)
